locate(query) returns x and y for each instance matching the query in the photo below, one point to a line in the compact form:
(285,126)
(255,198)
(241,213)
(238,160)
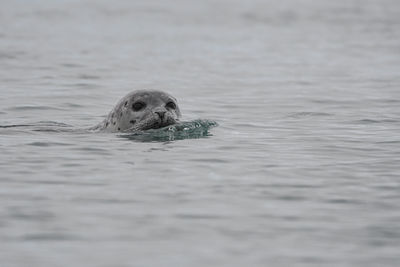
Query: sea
(301,168)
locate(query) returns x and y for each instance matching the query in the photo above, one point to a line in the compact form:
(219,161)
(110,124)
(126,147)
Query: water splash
(183,130)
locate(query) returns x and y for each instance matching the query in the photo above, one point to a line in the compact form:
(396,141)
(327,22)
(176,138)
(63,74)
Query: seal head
(142,110)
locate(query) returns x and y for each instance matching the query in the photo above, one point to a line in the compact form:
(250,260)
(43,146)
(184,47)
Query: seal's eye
(138,106)
(171,105)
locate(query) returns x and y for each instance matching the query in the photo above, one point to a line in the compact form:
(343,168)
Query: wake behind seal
(141,110)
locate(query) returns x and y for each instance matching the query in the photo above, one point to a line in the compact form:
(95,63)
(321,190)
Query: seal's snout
(161,114)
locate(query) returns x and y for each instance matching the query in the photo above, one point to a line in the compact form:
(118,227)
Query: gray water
(303,169)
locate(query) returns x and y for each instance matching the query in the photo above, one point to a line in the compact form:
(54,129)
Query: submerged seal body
(142,110)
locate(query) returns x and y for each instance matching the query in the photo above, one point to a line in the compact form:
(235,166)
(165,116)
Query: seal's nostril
(160,114)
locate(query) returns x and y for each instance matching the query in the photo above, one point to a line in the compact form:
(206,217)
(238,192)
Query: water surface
(303,169)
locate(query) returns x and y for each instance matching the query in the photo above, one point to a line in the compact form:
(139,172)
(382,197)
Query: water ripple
(305,114)
(47,144)
(56,236)
(374,121)
(36,107)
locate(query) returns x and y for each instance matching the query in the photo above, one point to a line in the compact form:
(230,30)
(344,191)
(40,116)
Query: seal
(141,110)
